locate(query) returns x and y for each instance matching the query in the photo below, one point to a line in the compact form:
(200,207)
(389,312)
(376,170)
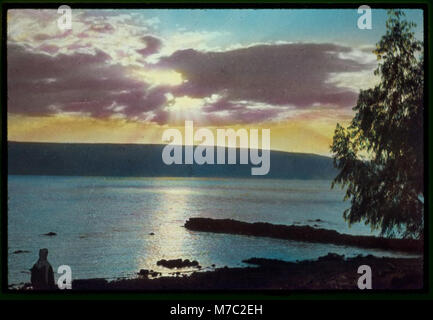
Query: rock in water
(21,251)
(50,234)
(178,263)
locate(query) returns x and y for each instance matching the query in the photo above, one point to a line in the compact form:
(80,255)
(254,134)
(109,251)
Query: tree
(380,154)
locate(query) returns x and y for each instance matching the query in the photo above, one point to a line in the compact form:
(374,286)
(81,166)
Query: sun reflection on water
(169,237)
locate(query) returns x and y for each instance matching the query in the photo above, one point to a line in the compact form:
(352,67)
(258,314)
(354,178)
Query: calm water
(103,225)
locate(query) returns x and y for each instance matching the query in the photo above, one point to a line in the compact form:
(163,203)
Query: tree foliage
(380,154)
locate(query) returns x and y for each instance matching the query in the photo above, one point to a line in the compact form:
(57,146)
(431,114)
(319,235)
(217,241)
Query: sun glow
(296,135)
(184,104)
(158,77)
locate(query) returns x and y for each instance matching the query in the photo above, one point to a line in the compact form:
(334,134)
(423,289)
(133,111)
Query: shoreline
(330,272)
(302,233)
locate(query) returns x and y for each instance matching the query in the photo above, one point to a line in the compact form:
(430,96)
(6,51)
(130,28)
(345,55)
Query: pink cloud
(102,28)
(44,36)
(49,48)
(276,76)
(152,45)
(289,74)
(78,82)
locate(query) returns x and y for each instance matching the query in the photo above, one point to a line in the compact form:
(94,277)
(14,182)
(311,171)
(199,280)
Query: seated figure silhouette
(42,273)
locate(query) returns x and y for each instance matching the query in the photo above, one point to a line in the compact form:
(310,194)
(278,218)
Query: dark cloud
(253,84)
(152,45)
(294,74)
(78,82)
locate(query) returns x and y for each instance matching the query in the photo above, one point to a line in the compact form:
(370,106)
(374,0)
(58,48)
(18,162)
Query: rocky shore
(331,272)
(302,233)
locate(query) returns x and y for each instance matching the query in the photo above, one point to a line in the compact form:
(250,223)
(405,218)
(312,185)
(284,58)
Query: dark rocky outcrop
(20,251)
(89,284)
(50,234)
(302,233)
(332,257)
(178,263)
(146,273)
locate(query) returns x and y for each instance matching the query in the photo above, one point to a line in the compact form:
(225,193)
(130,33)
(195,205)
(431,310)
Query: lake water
(103,225)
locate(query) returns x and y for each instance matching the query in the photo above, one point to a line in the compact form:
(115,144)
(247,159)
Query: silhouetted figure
(42,273)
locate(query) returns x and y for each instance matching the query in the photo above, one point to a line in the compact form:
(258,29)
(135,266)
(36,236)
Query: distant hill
(136,160)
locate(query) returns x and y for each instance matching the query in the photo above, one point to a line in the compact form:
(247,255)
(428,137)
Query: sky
(125,76)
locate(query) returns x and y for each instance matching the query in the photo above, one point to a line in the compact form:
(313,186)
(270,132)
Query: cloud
(42,84)
(287,74)
(120,35)
(153,45)
(102,28)
(254,84)
(115,64)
